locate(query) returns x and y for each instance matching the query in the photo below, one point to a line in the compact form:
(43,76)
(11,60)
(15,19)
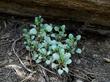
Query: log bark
(91,11)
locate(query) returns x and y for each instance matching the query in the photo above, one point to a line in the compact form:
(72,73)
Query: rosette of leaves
(49,44)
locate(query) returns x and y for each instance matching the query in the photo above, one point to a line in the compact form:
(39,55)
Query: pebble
(9,53)
(78,61)
(78,80)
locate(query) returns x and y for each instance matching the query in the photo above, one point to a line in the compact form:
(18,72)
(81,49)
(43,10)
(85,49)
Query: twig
(76,75)
(86,72)
(13,48)
(6,42)
(83,72)
(45,75)
(47,69)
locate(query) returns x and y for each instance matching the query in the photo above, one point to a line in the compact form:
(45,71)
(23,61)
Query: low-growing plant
(49,44)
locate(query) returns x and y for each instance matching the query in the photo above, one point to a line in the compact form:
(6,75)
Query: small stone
(9,53)
(78,80)
(78,61)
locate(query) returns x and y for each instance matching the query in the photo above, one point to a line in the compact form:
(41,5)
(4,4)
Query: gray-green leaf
(63,28)
(33,31)
(53,65)
(55,56)
(54,47)
(28,48)
(78,37)
(48,28)
(67,55)
(60,71)
(48,62)
(66,69)
(78,51)
(71,36)
(38,61)
(56,28)
(34,55)
(68,61)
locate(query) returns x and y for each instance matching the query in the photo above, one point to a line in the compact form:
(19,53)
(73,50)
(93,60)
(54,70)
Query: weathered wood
(91,11)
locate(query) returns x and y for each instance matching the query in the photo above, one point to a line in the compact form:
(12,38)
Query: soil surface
(93,65)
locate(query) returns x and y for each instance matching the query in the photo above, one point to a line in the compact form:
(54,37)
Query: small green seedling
(50,45)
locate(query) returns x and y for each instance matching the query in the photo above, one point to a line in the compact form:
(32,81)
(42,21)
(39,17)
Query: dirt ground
(93,65)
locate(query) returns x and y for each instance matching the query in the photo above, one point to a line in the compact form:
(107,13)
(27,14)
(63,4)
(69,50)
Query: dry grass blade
(13,48)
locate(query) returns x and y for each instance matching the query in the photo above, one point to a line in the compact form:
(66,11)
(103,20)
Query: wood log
(91,11)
